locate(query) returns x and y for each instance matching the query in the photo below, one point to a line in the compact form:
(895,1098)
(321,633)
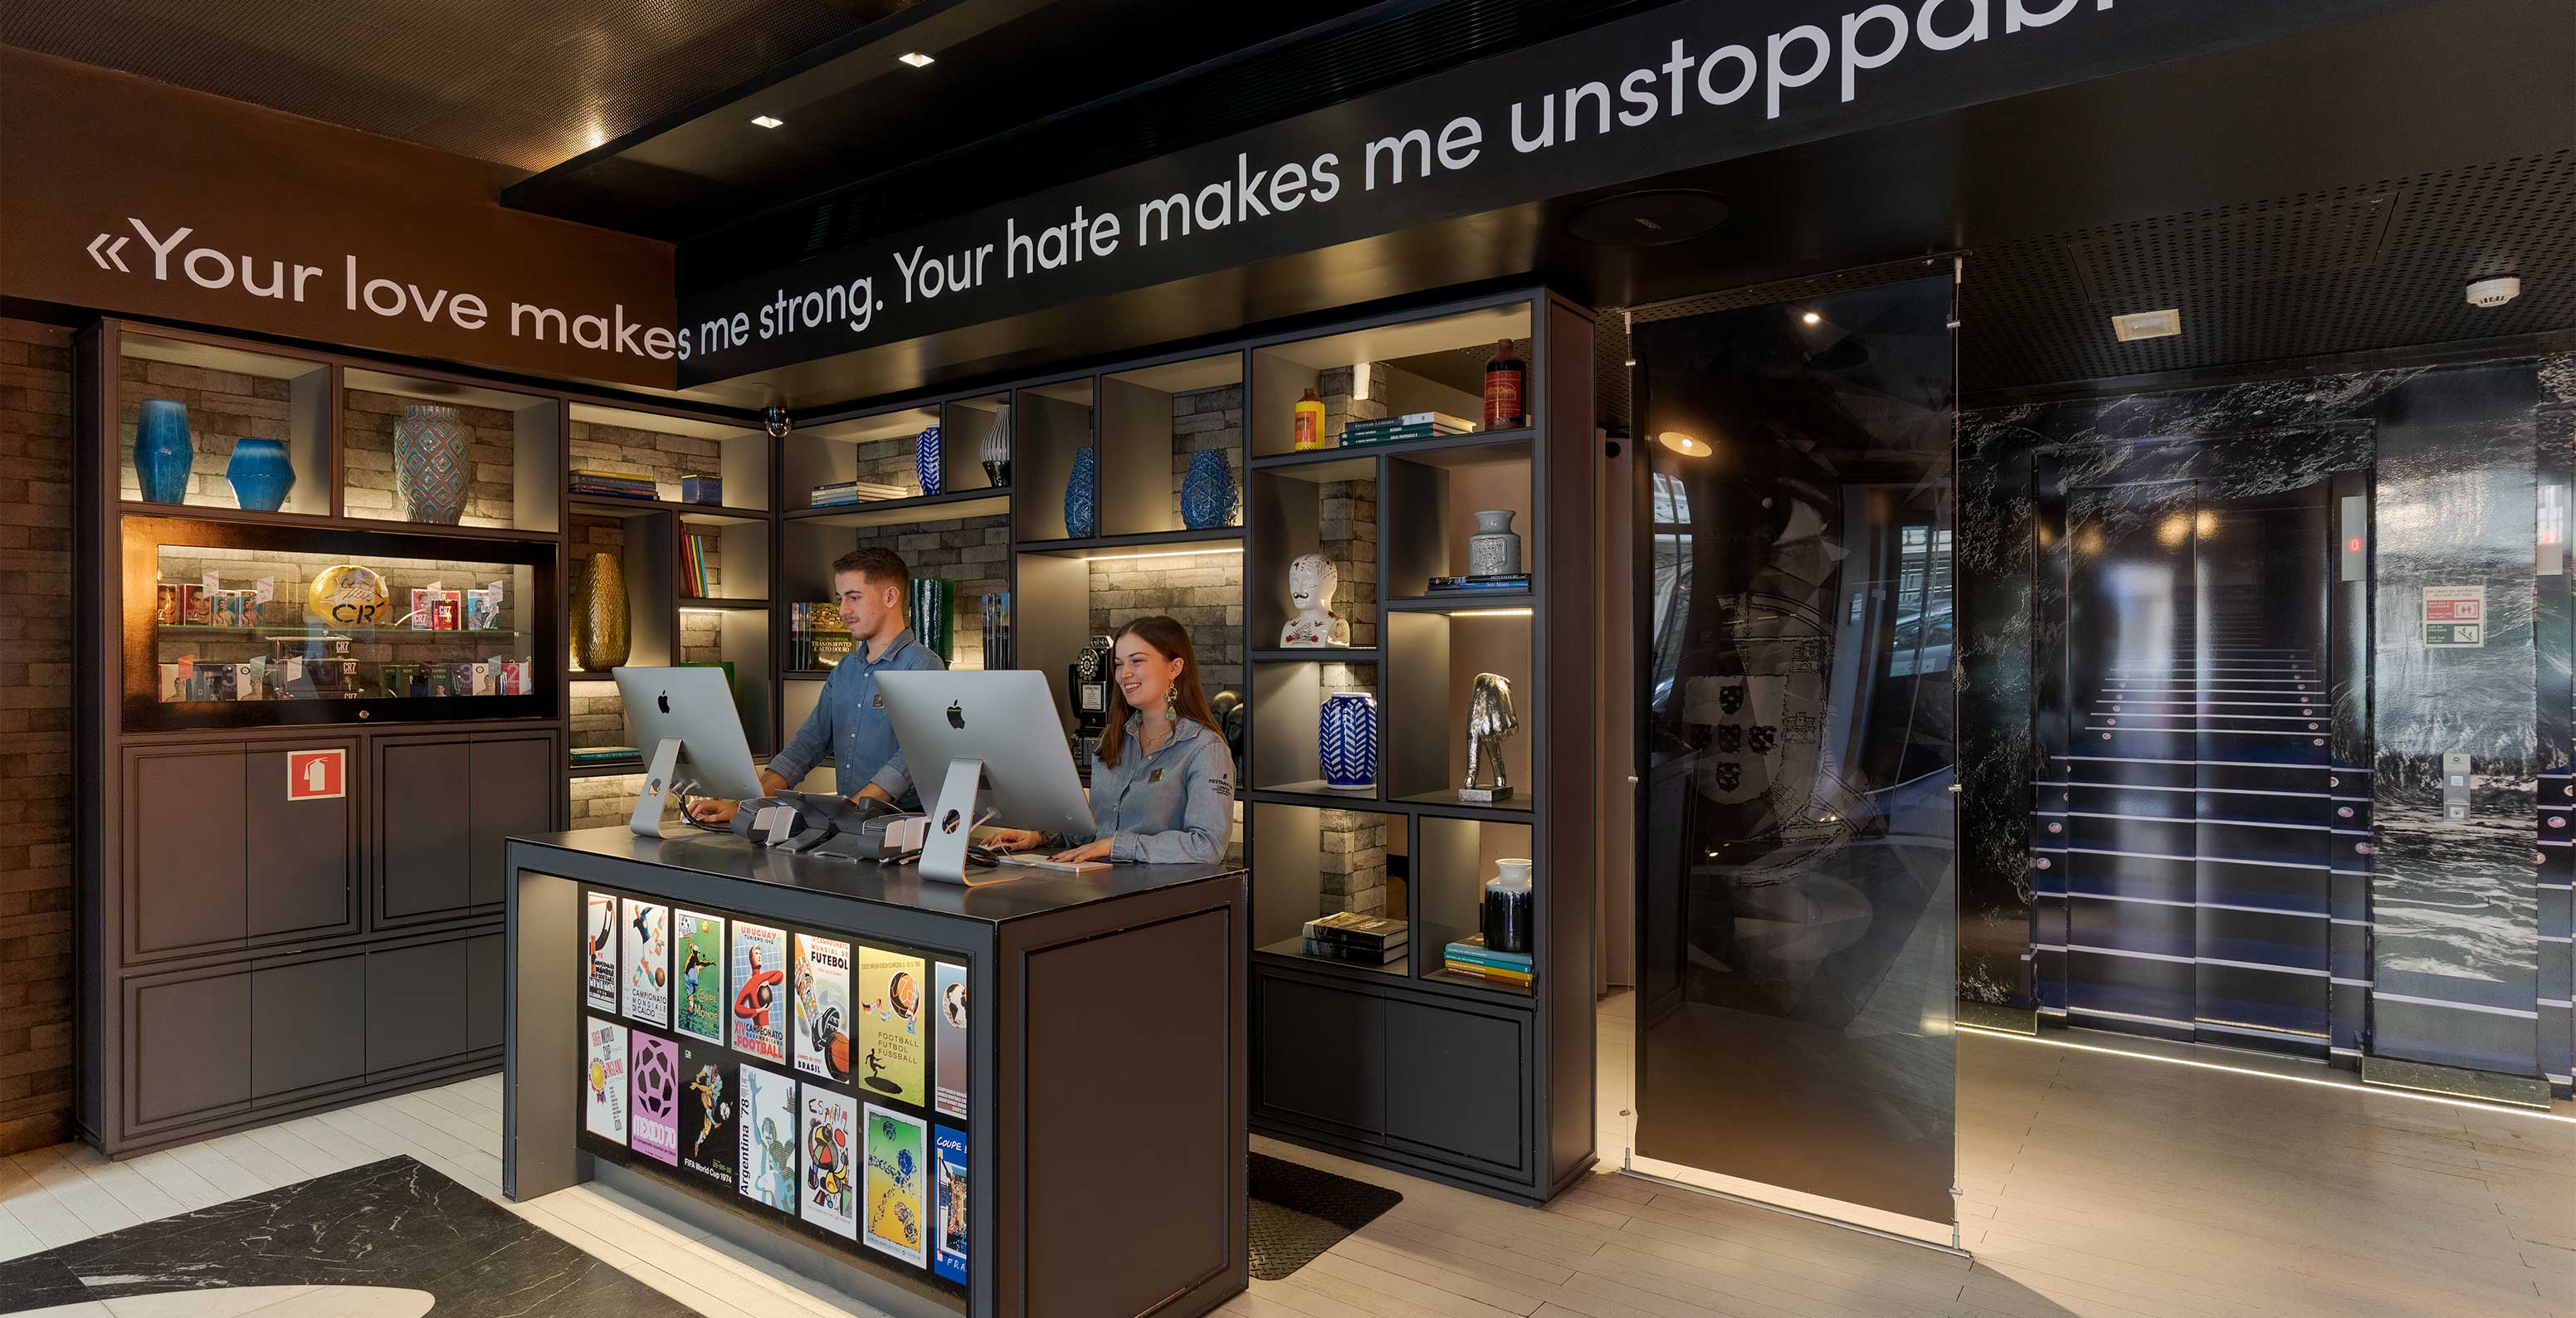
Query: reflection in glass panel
(1797,904)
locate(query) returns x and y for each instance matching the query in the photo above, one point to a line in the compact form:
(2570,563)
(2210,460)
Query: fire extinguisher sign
(316,775)
(2455,617)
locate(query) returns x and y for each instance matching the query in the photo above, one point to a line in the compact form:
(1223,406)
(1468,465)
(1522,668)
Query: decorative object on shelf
(928,462)
(1232,718)
(1494,550)
(1310,423)
(1506,909)
(1505,376)
(347,595)
(1312,583)
(1490,722)
(707,490)
(432,469)
(1082,495)
(1087,678)
(261,474)
(163,453)
(599,622)
(934,615)
(996,451)
(1346,734)
(1208,497)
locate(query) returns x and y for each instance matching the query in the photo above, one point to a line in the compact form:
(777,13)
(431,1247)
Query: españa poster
(600,924)
(707,1101)
(950,1073)
(822,1007)
(895,1176)
(698,952)
(766,1155)
(604,1104)
(653,1077)
(948,1203)
(648,962)
(759,991)
(831,1153)
(892,1038)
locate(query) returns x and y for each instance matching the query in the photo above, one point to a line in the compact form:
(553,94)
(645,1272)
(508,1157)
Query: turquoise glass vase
(261,473)
(163,453)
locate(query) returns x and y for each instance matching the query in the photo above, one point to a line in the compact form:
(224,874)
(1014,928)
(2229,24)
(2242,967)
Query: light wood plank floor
(2095,1185)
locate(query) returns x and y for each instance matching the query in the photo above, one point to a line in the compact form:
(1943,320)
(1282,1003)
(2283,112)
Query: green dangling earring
(1171,705)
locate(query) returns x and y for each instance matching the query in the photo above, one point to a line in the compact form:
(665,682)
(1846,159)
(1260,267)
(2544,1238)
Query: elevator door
(2195,804)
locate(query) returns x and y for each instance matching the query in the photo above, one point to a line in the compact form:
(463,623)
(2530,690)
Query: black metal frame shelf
(992,500)
(1428,449)
(1217,540)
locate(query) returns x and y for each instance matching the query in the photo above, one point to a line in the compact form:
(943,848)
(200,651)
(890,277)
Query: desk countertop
(1039,892)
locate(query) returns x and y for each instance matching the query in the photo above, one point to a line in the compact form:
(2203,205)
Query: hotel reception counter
(1021,1099)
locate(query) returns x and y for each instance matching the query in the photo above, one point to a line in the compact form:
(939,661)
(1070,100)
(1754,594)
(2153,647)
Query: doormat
(1298,1212)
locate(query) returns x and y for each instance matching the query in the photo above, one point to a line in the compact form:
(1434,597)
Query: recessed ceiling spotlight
(914,58)
(1812,318)
(2495,292)
(2147,325)
(766,121)
(1689,446)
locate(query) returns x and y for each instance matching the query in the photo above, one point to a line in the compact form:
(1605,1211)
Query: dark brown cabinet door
(415,1005)
(515,781)
(308,1024)
(1321,1053)
(185,833)
(1454,1082)
(300,851)
(486,981)
(191,1049)
(424,805)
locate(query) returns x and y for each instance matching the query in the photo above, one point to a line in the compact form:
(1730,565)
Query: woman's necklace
(1151,734)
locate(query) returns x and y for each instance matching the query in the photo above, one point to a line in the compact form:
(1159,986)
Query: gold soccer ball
(347,595)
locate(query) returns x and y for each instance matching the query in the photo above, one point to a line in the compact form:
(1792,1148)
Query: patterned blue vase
(163,455)
(1082,496)
(1208,498)
(928,463)
(261,474)
(1347,736)
(433,467)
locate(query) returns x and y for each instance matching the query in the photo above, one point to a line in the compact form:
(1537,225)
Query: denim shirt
(849,723)
(1173,806)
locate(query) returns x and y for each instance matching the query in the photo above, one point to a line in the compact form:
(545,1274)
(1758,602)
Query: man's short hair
(881,567)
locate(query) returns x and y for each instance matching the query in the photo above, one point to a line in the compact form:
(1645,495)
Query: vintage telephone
(1086,680)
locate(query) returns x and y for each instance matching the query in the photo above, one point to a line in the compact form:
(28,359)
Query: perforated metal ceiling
(525,84)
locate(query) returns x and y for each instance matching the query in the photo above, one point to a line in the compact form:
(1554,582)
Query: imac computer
(997,736)
(685,714)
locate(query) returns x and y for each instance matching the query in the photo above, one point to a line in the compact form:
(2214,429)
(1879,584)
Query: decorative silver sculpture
(1490,722)
(1312,582)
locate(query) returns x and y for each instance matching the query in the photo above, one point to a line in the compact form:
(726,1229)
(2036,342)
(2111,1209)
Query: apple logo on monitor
(956,717)
(663,702)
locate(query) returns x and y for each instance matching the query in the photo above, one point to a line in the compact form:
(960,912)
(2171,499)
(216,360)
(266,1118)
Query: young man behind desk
(849,722)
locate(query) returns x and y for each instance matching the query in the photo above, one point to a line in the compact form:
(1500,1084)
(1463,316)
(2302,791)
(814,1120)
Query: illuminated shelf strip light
(1166,553)
(1488,613)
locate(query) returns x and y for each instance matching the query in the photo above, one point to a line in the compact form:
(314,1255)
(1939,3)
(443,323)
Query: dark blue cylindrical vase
(261,474)
(1082,496)
(163,455)
(1208,497)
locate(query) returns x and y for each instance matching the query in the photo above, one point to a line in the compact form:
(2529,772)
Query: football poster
(893,1037)
(895,1181)
(765,1155)
(831,1198)
(698,961)
(822,1007)
(600,926)
(949,1029)
(948,1203)
(707,1100)
(758,989)
(604,1102)
(653,1079)
(646,929)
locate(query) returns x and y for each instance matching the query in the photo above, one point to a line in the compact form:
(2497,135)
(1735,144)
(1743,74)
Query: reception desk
(1021,1099)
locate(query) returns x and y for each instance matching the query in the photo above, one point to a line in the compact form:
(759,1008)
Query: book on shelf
(1352,929)
(697,565)
(1346,952)
(816,636)
(1470,956)
(832,494)
(1435,423)
(614,484)
(603,754)
(1516,581)
(997,631)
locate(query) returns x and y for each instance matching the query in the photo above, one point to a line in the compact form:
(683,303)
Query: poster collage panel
(807,1077)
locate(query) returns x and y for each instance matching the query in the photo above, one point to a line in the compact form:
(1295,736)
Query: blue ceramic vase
(1082,496)
(433,463)
(1208,498)
(261,474)
(163,455)
(928,462)
(1347,738)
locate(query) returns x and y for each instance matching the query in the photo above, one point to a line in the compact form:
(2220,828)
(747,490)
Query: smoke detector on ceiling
(2495,292)
(2147,325)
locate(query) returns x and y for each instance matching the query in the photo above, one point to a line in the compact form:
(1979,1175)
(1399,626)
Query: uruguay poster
(948,1203)
(892,1034)
(895,1176)
(698,957)
(950,1074)
(822,1007)
(600,948)
(653,1078)
(707,1100)
(831,1196)
(759,991)
(646,927)
(604,1105)
(766,1153)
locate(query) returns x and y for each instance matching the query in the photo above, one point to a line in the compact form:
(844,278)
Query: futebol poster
(892,1041)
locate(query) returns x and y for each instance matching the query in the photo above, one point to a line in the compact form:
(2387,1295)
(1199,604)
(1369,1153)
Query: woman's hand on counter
(1096,849)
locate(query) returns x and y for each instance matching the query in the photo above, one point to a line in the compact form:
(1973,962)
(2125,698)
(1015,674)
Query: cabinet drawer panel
(1321,1053)
(191,1041)
(185,835)
(424,798)
(308,1024)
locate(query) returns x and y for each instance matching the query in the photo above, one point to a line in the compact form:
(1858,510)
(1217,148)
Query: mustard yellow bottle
(1310,423)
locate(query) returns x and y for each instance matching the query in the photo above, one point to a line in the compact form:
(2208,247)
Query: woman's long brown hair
(1166,637)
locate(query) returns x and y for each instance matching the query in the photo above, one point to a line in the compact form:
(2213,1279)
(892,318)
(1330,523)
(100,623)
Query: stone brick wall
(367,423)
(974,552)
(222,406)
(628,451)
(35,728)
(1203,592)
(1202,420)
(1351,864)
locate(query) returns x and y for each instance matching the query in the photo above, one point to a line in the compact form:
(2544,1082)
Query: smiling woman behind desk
(1162,778)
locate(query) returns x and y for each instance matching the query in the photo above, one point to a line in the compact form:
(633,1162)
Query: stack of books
(603,754)
(614,484)
(1471,957)
(1398,429)
(1368,940)
(816,636)
(697,565)
(836,493)
(997,631)
(1516,582)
